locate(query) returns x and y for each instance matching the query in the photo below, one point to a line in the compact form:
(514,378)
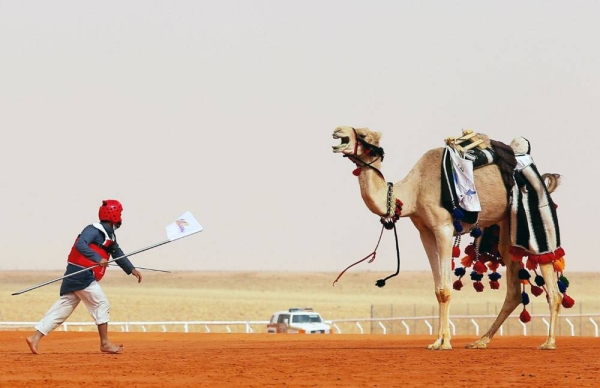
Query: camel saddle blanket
(534,229)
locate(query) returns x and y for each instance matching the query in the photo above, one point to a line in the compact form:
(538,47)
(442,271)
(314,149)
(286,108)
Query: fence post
(372,317)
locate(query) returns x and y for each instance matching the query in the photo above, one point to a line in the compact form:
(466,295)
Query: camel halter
(371,150)
(388,222)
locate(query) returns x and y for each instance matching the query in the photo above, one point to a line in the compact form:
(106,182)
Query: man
(92,248)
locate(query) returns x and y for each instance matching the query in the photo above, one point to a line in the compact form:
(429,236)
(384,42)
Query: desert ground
(349,359)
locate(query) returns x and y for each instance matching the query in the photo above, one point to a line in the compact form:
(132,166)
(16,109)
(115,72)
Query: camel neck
(373,189)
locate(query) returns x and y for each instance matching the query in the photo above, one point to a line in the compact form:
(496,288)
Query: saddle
(482,151)
(473,147)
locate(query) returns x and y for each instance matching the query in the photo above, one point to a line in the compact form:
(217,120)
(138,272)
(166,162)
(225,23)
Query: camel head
(357,142)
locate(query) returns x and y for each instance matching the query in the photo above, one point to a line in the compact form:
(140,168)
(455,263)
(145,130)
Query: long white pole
(87,269)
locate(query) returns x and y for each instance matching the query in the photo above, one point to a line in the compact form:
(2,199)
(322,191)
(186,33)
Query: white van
(298,321)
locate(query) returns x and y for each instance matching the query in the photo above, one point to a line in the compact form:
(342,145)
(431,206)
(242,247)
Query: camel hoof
(440,345)
(548,346)
(477,345)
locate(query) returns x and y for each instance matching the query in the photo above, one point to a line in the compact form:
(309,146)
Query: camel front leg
(439,253)
(554,302)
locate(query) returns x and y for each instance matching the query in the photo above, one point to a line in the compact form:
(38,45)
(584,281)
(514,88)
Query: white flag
(184,226)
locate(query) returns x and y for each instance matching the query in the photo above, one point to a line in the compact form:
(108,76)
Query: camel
(420,195)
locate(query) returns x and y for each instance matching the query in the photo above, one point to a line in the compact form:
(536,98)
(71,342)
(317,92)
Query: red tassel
(356,171)
(479,267)
(455,251)
(524,317)
(452,265)
(478,286)
(567,302)
(536,291)
(494,284)
(470,250)
(457,285)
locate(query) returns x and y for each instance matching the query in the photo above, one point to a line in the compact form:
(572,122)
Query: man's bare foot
(32,341)
(109,347)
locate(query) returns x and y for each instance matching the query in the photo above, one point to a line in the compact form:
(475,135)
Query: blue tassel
(458,226)
(460,271)
(476,232)
(524,274)
(458,214)
(564,280)
(494,276)
(539,280)
(476,276)
(562,287)
(524,299)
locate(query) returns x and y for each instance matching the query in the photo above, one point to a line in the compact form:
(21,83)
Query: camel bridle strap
(387,223)
(371,150)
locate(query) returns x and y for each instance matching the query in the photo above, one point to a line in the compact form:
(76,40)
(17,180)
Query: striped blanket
(533,223)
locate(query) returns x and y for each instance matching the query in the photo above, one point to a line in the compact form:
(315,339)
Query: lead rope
(387,223)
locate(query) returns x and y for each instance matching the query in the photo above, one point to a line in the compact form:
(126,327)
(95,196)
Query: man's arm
(124,263)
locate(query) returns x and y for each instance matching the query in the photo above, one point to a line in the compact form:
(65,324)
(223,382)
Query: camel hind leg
(554,302)
(511,301)
(513,291)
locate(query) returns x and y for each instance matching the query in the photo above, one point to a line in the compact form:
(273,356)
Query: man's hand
(103,263)
(137,274)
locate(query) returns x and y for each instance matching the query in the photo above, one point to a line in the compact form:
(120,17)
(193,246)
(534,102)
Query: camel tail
(552,181)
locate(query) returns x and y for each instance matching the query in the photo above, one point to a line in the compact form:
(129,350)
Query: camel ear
(376,137)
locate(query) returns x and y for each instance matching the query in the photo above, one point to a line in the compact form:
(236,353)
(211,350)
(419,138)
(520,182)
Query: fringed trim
(491,259)
(543,258)
(540,286)
(480,259)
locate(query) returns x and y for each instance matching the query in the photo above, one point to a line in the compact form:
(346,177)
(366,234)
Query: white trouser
(94,299)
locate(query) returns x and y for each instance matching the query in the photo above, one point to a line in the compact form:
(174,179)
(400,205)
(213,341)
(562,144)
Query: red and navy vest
(76,258)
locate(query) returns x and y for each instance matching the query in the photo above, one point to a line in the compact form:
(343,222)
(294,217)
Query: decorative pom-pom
(561,286)
(380,283)
(457,285)
(470,250)
(479,267)
(455,251)
(536,291)
(524,274)
(564,280)
(458,214)
(460,271)
(478,286)
(494,276)
(453,265)
(467,260)
(524,298)
(524,316)
(539,280)
(494,285)
(476,277)
(476,232)
(567,302)
(458,226)
(356,171)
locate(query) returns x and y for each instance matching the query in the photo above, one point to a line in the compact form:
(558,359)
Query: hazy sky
(226,108)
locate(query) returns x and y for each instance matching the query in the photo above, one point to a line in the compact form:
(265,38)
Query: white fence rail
(382,323)
(427,320)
